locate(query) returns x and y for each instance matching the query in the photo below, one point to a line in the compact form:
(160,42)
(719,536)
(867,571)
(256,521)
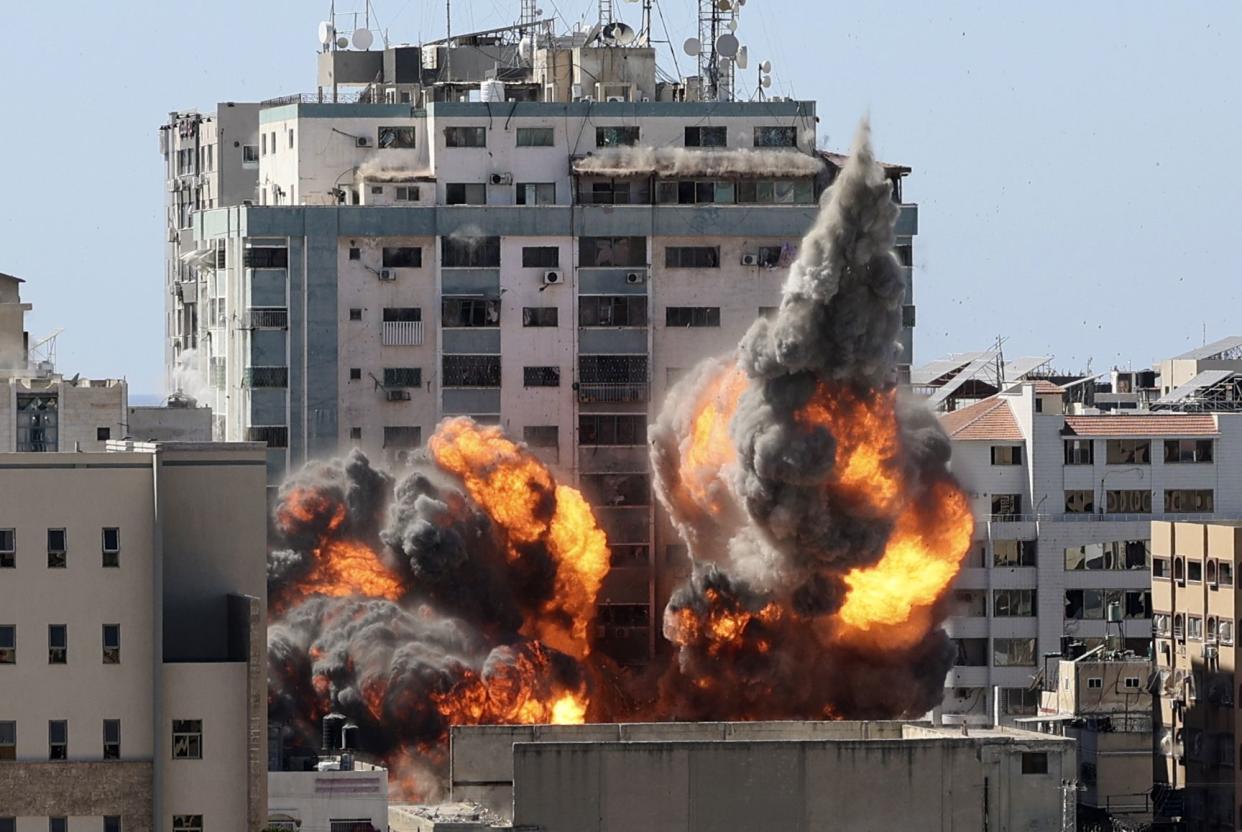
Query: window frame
(465,137)
(57,749)
(58,557)
(112,748)
(398,133)
(191,732)
(531,132)
(111,652)
(58,654)
(8,548)
(110,555)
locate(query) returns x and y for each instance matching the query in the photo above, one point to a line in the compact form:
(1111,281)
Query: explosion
(813,496)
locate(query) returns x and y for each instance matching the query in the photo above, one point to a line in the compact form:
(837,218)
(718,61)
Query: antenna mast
(448,46)
(717,19)
(605,12)
(530,14)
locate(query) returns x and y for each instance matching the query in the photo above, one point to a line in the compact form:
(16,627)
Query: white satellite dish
(727,45)
(731,24)
(692,47)
(766,82)
(363,39)
(743,57)
(766,66)
(326,33)
(342,42)
(619,33)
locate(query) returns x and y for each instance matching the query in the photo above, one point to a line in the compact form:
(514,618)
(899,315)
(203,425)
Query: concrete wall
(316,798)
(83,792)
(170,424)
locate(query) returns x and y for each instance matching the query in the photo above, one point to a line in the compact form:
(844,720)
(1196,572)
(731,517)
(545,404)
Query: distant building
(1208,378)
(340,796)
(791,776)
(179,419)
(133,663)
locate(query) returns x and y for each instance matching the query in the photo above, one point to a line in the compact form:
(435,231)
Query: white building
(1063,507)
(133,666)
(331,799)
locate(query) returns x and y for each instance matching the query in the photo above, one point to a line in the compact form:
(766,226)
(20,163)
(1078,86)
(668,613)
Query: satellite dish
(619,33)
(363,39)
(342,43)
(766,66)
(766,82)
(592,34)
(692,47)
(727,45)
(743,57)
(326,33)
(731,25)
(724,5)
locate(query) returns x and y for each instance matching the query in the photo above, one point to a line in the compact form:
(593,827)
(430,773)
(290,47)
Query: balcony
(613,393)
(268,319)
(265,377)
(402,334)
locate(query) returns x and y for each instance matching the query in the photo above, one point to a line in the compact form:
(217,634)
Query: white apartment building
(1063,506)
(550,257)
(133,659)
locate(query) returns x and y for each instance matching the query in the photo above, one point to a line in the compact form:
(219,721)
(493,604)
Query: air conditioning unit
(750,259)
(1209,651)
(387,274)
(553,278)
(634,277)
(363,141)
(398,395)
(502,179)
(616,98)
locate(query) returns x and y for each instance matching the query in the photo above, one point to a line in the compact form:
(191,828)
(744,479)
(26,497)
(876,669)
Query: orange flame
(520,693)
(866,434)
(708,448)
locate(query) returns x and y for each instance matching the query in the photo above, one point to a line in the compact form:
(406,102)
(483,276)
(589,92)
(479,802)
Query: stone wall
(79,789)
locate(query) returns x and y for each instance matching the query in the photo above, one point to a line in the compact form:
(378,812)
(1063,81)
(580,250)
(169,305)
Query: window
(406,193)
(471,371)
(972,603)
(776,137)
(541,257)
(276,436)
(599,252)
(1013,603)
(769,257)
(539,316)
(8,740)
(103,434)
(470,252)
(625,136)
(355,314)
(1188,450)
(465,193)
(1013,652)
(1128,501)
(1006,505)
(403,377)
(250,154)
(612,429)
(607,192)
(402,257)
(773,192)
(112,644)
(541,376)
(1138,604)
(8,548)
(971,652)
(58,824)
(1080,502)
(613,369)
(1012,553)
(469,312)
(1194,571)
(535,137)
(187,739)
(1225,631)
(706,136)
(697,316)
(1194,627)
(263,141)
(402,436)
(355,433)
(1006,454)
(187,823)
(355,253)
(112,739)
(465,137)
(1160,623)
(57,739)
(1095,683)
(692,257)
(1128,451)
(536,193)
(612,310)
(1019,701)
(56,549)
(8,644)
(393,138)
(355,374)
(1114,555)
(57,644)
(112,823)
(541,436)
(1224,573)
(111,547)
(1189,501)
(38,418)
(402,314)
(266,257)
(629,554)
(617,489)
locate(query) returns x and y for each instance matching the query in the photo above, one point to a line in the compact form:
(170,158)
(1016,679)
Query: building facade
(133,640)
(350,797)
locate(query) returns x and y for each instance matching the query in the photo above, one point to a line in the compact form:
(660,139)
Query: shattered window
(624,136)
(395,138)
(541,376)
(471,371)
(465,137)
(470,252)
(706,136)
(1189,501)
(776,137)
(1013,652)
(535,137)
(596,252)
(187,740)
(470,312)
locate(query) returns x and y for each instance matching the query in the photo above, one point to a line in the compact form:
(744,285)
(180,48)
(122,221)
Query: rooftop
(1216,349)
(1155,424)
(991,418)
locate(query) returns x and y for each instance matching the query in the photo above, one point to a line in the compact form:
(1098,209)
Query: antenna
(529,15)
(605,12)
(718,47)
(448,46)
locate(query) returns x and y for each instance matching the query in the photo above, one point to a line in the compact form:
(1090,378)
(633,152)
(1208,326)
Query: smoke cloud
(678,161)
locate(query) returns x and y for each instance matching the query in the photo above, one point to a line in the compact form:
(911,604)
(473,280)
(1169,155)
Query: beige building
(132,640)
(339,796)
(1194,570)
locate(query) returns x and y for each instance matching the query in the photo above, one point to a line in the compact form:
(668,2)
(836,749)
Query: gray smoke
(678,161)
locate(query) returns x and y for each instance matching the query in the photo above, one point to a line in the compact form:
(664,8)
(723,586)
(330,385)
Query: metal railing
(268,318)
(401,333)
(613,393)
(351,97)
(265,377)
(1091,517)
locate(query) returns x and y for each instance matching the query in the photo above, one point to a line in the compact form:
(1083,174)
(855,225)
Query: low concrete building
(444,817)
(179,419)
(339,797)
(789,776)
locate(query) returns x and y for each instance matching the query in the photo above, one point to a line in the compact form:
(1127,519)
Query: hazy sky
(1074,162)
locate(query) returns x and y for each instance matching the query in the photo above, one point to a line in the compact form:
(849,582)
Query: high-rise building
(133,661)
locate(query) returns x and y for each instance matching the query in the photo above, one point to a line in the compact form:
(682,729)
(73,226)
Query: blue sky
(1073,161)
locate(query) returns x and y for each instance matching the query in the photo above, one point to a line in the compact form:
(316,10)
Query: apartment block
(133,639)
(1063,506)
(1194,581)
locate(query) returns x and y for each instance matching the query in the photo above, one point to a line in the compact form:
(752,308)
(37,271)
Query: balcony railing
(266,377)
(269,318)
(1092,517)
(613,393)
(402,334)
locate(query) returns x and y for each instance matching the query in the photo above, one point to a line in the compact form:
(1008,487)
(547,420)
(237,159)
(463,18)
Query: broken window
(598,252)
(58,740)
(469,312)
(1080,501)
(1019,701)
(1006,454)
(1128,451)
(1006,506)
(1194,627)
(624,615)
(111,547)
(1013,652)
(1128,501)
(541,376)
(605,192)
(407,193)
(776,137)
(675,316)
(187,823)
(470,252)
(403,377)
(904,254)
(276,436)
(971,652)
(706,136)
(57,644)
(112,644)
(542,436)
(613,369)
(535,137)
(612,310)
(1011,553)
(1188,450)
(541,257)
(616,136)
(394,138)
(402,436)
(539,316)
(112,741)
(1013,603)
(8,646)
(629,554)
(187,739)
(1079,452)
(970,602)
(8,548)
(692,257)
(38,420)
(1138,604)
(1224,573)
(1189,501)
(465,137)
(465,193)
(471,371)
(615,490)
(398,314)
(536,193)
(265,257)
(56,549)
(612,429)
(769,257)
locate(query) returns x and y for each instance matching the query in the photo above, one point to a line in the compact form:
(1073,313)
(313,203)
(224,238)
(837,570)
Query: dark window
(112,739)
(541,376)
(541,257)
(629,554)
(355,373)
(396,314)
(616,489)
(769,257)
(355,314)
(613,369)
(266,258)
(1013,553)
(625,136)
(8,740)
(1080,501)
(1013,652)
(607,192)
(406,193)
(1189,501)
(536,193)
(1006,505)
(112,823)
(776,137)
(56,549)
(598,252)
(465,137)
(907,316)
(469,312)
(1034,762)
(971,652)
(103,434)
(471,371)
(395,138)
(1128,451)
(1013,603)
(187,823)
(8,644)
(706,137)
(1079,452)
(403,377)
(534,137)
(57,739)
(692,316)
(355,253)
(58,824)
(111,547)
(8,548)
(612,429)
(470,252)
(612,310)
(692,257)
(624,615)
(187,739)
(402,436)
(57,644)
(112,644)
(276,436)
(465,193)
(403,257)
(905,254)
(1006,454)
(355,433)
(1188,450)
(539,316)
